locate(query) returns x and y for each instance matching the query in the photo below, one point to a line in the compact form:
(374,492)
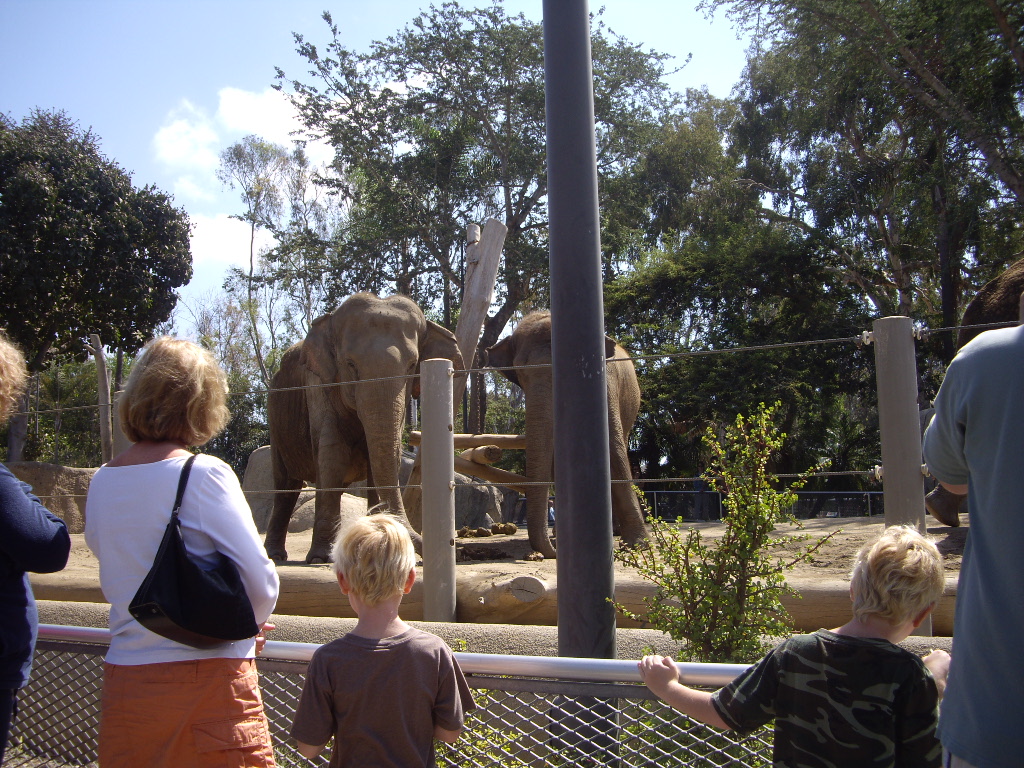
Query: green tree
(709,273)
(81,249)
(961,62)
(256,167)
(442,124)
(893,196)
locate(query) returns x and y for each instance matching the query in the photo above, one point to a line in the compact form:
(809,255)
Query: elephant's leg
(539,468)
(280,516)
(372,495)
(627,517)
(944,505)
(325,525)
(333,462)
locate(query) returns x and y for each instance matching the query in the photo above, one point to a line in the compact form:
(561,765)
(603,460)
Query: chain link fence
(520,720)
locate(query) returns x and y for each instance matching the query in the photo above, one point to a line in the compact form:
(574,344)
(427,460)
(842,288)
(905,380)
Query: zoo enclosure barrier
(531,711)
(707,505)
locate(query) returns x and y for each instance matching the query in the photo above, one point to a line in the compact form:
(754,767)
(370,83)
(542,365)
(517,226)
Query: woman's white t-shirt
(126,513)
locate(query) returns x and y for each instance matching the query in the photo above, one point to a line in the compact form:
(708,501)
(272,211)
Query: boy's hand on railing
(658,673)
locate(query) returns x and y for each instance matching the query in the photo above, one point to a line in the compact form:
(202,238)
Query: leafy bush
(723,598)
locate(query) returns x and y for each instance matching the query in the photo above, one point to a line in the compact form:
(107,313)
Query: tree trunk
(17,432)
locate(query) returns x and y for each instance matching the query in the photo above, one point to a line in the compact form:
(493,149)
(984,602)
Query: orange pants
(206,713)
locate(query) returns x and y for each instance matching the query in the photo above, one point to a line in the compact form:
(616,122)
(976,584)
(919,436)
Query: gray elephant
(370,348)
(530,344)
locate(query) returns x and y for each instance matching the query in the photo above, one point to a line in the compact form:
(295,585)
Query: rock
(258,478)
(258,486)
(476,505)
(62,490)
(302,519)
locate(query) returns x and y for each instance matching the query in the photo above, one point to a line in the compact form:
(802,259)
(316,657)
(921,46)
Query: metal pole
(586,582)
(586,618)
(438,451)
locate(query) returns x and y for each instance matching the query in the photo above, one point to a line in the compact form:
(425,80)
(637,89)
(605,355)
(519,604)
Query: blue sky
(167,85)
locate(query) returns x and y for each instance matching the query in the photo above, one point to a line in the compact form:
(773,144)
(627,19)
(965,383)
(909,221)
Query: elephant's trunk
(539,468)
(382,411)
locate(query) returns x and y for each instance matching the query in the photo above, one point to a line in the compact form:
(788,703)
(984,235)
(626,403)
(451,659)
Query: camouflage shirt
(838,701)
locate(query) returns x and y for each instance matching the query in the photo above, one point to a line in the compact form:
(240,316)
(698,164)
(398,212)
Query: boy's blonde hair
(13,377)
(375,554)
(176,392)
(897,576)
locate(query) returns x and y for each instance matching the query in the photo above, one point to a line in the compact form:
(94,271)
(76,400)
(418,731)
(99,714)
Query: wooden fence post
(438,452)
(899,426)
(103,388)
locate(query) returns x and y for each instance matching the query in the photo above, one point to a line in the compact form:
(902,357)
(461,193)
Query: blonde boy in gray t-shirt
(385,690)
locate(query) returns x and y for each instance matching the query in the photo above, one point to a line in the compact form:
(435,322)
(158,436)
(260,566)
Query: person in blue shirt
(974,445)
(31,539)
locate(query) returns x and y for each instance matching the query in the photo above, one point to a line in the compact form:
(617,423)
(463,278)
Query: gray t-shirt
(977,437)
(381,699)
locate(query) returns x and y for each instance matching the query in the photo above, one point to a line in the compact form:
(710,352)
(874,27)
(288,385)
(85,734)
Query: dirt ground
(832,561)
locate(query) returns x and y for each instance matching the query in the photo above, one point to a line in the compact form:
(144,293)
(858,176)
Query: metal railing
(531,711)
(707,505)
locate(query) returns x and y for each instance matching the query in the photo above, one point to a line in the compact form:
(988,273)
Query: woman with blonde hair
(164,703)
(31,539)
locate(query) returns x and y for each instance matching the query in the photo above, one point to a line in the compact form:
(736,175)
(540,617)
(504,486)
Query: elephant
(530,344)
(998,301)
(336,435)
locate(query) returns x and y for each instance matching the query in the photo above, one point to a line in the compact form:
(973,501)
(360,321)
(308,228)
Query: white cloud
(188,140)
(267,114)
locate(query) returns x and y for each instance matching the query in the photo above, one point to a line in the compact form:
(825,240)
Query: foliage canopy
(81,249)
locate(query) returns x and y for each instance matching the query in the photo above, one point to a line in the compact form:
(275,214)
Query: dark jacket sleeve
(31,537)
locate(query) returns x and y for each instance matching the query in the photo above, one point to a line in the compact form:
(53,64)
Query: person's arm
(308,750)
(915,711)
(937,663)
(660,674)
(443,734)
(313,723)
(31,537)
(959,490)
(227,520)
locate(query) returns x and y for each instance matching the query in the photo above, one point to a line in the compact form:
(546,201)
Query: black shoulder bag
(189,605)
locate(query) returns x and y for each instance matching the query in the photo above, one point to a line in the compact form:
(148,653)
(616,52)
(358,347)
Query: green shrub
(722,598)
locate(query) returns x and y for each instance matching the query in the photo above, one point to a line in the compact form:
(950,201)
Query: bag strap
(182,482)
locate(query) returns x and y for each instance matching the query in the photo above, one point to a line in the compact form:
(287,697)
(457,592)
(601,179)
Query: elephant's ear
(438,342)
(502,356)
(318,350)
(609,347)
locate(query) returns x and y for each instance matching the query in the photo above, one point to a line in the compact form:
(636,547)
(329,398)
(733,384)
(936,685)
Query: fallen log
(491,474)
(483,454)
(472,441)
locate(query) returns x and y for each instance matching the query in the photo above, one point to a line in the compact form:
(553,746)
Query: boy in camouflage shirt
(848,696)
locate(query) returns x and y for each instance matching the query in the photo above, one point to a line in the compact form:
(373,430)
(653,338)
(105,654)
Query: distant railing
(696,506)
(532,711)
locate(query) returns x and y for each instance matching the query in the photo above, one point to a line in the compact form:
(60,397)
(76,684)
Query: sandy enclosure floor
(832,561)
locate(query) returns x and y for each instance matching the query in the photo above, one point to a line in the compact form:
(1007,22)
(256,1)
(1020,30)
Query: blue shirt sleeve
(32,538)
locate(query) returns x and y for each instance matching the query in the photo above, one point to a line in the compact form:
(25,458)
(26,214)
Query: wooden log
(507,593)
(478,286)
(483,454)
(474,441)
(491,474)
